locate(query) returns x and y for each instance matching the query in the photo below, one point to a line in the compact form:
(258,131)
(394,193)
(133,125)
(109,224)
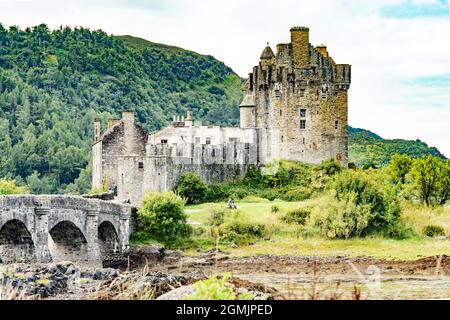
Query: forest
(54,83)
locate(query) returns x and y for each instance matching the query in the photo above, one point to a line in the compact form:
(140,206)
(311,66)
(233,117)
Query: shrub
(192,188)
(330,168)
(218,192)
(297,194)
(216,218)
(362,204)
(275,209)
(10,187)
(141,237)
(433,231)
(239,192)
(297,216)
(269,194)
(217,288)
(162,216)
(241,232)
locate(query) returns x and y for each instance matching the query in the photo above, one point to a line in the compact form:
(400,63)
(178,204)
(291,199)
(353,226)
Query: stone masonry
(295,107)
(61,228)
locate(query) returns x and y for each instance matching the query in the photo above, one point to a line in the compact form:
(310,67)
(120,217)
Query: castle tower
(300,47)
(298,99)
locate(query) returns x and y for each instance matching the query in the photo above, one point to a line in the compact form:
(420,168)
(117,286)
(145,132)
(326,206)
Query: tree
(425,176)
(162,216)
(10,187)
(192,188)
(399,168)
(444,183)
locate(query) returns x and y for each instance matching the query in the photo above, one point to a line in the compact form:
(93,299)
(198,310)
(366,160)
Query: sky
(399,49)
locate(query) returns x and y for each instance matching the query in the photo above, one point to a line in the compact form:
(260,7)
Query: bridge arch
(59,227)
(16,242)
(67,242)
(108,239)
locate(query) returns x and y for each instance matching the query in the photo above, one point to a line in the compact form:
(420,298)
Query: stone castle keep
(295,107)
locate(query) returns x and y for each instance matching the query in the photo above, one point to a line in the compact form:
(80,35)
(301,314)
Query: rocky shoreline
(153,273)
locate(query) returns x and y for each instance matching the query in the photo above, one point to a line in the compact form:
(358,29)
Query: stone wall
(123,138)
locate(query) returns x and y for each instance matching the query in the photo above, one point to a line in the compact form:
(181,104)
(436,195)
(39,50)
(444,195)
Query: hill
(366,146)
(54,83)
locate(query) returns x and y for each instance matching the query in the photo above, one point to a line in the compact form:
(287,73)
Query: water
(343,287)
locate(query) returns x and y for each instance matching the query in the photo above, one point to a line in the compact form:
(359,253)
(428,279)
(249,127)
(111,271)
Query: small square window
(302,113)
(302,124)
(208,140)
(141,165)
(164,141)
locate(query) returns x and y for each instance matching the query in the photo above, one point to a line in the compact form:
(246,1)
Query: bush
(242,232)
(269,194)
(216,218)
(217,288)
(162,216)
(433,231)
(275,209)
(297,194)
(192,188)
(297,216)
(218,192)
(330,168)
(10,187)
(362,204)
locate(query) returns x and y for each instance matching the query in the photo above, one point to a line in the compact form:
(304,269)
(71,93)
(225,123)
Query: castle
(295,107)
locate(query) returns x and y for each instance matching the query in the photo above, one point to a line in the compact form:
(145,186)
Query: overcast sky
(399,49)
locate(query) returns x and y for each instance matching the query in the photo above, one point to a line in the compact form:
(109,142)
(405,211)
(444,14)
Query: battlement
(299,98)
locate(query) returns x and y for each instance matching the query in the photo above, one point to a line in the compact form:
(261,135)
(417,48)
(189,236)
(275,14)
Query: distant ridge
(366,146)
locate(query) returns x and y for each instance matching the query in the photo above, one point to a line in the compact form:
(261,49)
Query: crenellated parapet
(298,98)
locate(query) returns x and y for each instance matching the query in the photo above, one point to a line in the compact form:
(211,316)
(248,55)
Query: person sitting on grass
(231,204)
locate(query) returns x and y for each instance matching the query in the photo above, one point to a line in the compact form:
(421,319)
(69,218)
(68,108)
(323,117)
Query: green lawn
(284,239)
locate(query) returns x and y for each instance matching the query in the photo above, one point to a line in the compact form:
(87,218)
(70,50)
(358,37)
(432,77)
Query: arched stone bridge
(57,228)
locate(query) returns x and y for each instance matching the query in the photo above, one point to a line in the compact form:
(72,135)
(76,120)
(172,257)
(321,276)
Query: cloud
(417,8)
(401,61)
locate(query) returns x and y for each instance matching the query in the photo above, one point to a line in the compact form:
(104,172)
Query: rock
(178,294)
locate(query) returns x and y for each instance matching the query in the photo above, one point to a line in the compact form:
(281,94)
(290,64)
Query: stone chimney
(300,47)
(129,141)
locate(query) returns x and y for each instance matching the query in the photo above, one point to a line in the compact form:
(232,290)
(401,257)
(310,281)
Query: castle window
(208,140)
(281,113)
(213,153)
(141,165)
(302,124)
(302,113)
(282,138)
(336,125)
(304,141)
(197,140)
(302,92)
(164,141)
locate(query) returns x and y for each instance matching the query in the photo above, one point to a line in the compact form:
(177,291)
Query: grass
(285,239)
